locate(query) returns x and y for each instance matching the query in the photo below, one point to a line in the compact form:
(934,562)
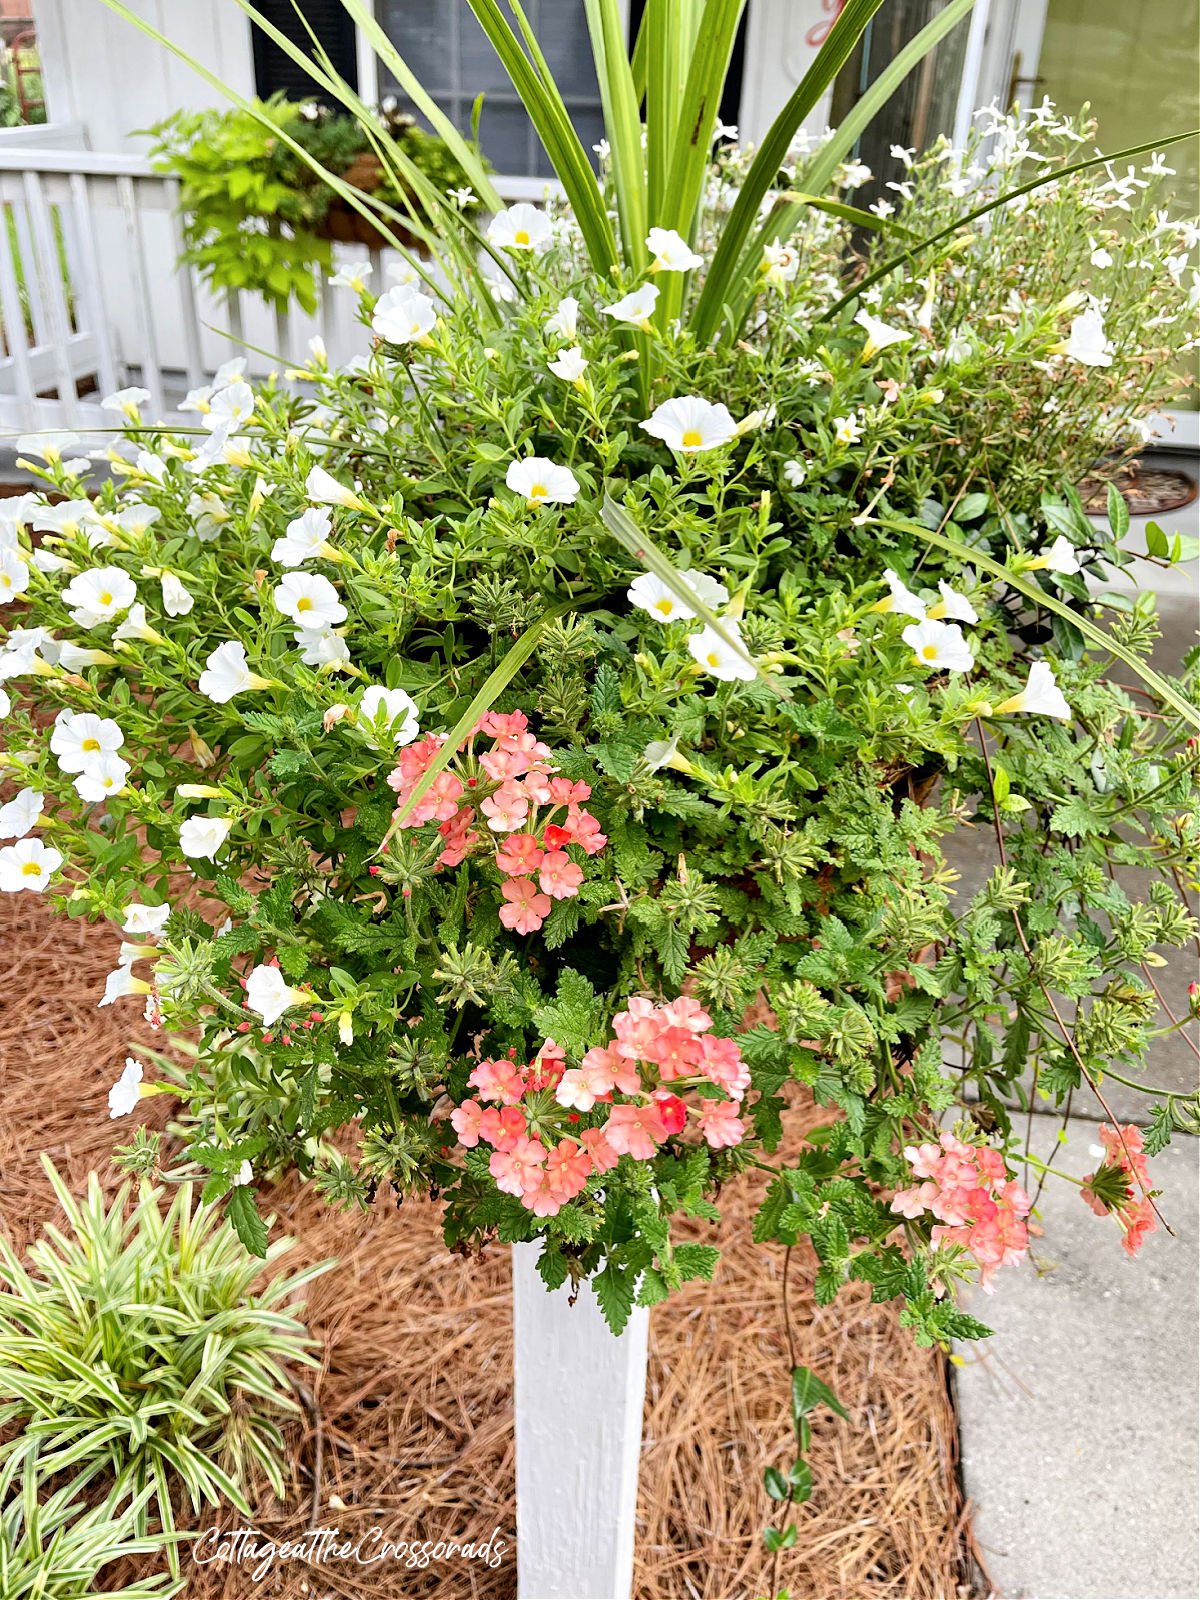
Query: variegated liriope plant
(564,709)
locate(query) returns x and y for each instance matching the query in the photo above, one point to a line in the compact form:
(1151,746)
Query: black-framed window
(274,69)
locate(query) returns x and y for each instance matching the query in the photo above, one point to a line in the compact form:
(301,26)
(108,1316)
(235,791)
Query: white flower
(955,606)
(399,712)
(324,488)
(127,401)
(1086,342)
(521,227)
(1059,557)
(74,657)
(403,272)
(310,600)
(723,661)
(121,982)
(352,275)
(636,308)
(203,836)
(208,512)
(99,595)
(177,600)
(565,321)
(5,703)
(126,1092)
(650,593)
(19,816)
(690,424)
(463,197)
(403,315)
(14,576)
(28,864)
(321,647)
(307,536)
(230,407)
(269,994)
(569,365)
(879,334)
(50,447)
(780,263)
(900,599)
(939,646)
(226,674)
(670,252)
(794,473)
(103,776)
(144,919)
(243,1176)
(542,482)
(135,517)
(1100,257)
(852,175)
(1040,696)
(847,430)
(572,1091)
(136,627)
(79,736)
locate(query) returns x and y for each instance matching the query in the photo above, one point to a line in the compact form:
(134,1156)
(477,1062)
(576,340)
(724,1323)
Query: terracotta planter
(348,226)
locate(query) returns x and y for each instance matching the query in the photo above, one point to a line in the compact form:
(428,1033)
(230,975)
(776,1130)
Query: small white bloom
(636,308)
(321,647)
(1041,696)
(847,430)
(122,982)
(955,606)
(48,447)
(144,919)
(565,321)
(403,314)
(572,1091)
(203,836)
(136,627)
(226,673)
(879,334)
(900,598)
(74,657)
(780,264)
(14,576)
(243,1176)
(670,252)
(5,703)
(794,473)
(570,365)
(128,402)
(1086,342)
(852,175)
(398,709)
(126,1092)
(307,536)
(724,662)
(230,407)
(542,482)
(99,595)
(28,864)
(1059,557)
(521,227)
(79,736)
(18,817)
(177,600)
(352,275)
(310,600)
(649,593)
(1100,257)
(463,197)
(209,513)
(939,646)
(269,994)
(689,424)
(324,488)
(103,777)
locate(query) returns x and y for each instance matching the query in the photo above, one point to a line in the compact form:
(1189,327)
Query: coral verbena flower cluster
(979,1208)
(1120,1186)
(533,1116)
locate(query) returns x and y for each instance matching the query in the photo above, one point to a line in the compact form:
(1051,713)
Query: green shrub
(55,1548)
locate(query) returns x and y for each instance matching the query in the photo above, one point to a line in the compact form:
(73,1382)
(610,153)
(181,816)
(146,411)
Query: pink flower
(674,1051)
(605,1069)
(507,809)
(568,1167)
(671,1109)
(1113,1189)
(574,1090)
(536,785)
(565,793)
(466,1120)
(519,854)
(498,723)
(685,1012)
(585,831)
(504,1128)
(978,1207)
(520,1168)
(541,1197)
(637,1028)
(635,1131)
(547,1066)
(720,1123)
(498,1080)
(721,1062)
(460,838)
(559,876)
(526,909)
(595,1142)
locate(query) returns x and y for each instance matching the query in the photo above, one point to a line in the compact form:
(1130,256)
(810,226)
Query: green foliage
(54,1547)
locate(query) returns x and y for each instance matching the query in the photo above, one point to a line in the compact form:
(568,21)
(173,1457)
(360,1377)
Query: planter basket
(345,225)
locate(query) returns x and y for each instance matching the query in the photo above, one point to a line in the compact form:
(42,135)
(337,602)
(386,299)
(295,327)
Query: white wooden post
(579,1394)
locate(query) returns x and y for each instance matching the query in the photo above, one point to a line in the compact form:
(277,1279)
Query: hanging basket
(345,225)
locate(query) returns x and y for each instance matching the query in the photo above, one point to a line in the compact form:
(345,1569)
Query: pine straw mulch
(415,1387)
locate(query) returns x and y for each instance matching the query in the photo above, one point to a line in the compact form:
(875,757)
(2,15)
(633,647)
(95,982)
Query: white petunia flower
(1087,342)
(144,919)
(321,647)
(879,334)
(19,816)
(28,864)
(208,513)
(49,447)
(324,488)
(939,646)
(136,627)
(269,994)
(715,656)
(900,598)
(689,424)
(230,407)
(128,402)
(670,252)
(103,777)
(570,365)
(636,308)
(521,227)
(780,264)
(5,703)
(126,1092)
(310,600)
(955,606)
(79,736)
(99,595)
(541,482)
(1041,696)
(352,275)
(14,576)
(203,836)
(177,600)
(307,536)
(794,473)
(565,321)
(121,982)
(71,518)
(1059,557)
(649,593)
(74,657)
(400,713)
(134,518)
(847,430)
(403,315)
(226,673)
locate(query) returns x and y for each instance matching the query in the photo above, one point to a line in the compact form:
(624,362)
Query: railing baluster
(25,254)
(187,292)
(151,372)
(85,280)
(47,266)
(13,311)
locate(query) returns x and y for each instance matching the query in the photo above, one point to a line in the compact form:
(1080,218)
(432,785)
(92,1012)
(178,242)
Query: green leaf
(808,1392)
(622,124)
(1118,512)
(614,1292)
(776,1484)
(247,1222)
(1157,543)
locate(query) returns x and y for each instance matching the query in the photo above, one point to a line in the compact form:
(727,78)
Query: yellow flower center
(712,659)
(106,598)
(666,605)
(5,580)
(30,869)
(521,236)
(90,744)
(691,438)
(538,492)
(304,604)
(929,652)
